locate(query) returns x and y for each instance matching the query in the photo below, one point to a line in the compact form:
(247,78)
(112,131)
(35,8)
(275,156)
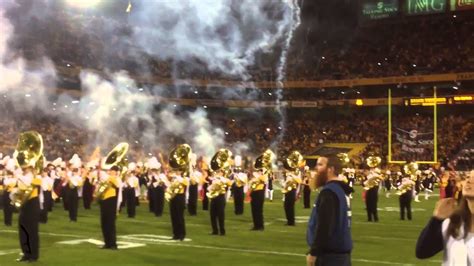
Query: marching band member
(205,185)
(388,183)
(46,187)
(238,191)
(257,187)
(176,196)
(107,195)
(29,214)
(195,180)
(89,176)
(131,190)
(418,185)
(371,198)
(290,186)
(372,186)
(306,188)
(9,183)
(405,188)
(217,193)
(269,189)
(157,185)
(291,183)
(428,182)
(74,183)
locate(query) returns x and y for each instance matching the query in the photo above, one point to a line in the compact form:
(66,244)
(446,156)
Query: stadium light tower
(83,3)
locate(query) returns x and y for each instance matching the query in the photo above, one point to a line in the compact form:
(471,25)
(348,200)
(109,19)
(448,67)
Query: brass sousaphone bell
(292,165)
(116,157)
(221,161)
(180,160)
(28,153)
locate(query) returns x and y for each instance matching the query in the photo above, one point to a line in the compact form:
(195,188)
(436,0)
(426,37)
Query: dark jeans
(333,260)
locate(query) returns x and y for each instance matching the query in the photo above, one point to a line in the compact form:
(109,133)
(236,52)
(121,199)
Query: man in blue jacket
(329,227)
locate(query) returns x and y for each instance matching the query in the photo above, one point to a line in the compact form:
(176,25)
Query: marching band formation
(33,186)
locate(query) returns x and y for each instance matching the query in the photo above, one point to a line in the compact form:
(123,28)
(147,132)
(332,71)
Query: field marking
(9,251)
(44,233)
(274,253)
(152,238)
(121,244)
(178,243)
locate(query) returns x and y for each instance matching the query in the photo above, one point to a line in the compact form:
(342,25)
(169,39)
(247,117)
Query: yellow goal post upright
(435,131)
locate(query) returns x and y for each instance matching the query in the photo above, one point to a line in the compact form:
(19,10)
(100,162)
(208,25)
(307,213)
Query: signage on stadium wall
(457,5)
(379,9)
(304,104)
(414,141)
(420,7)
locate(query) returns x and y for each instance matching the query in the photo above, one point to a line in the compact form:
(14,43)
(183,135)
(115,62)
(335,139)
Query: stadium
(239,132)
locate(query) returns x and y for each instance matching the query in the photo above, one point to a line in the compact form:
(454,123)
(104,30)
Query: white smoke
(224,35)
(27,84)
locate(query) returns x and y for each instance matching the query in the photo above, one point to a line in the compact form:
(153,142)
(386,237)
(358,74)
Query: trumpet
(28,152)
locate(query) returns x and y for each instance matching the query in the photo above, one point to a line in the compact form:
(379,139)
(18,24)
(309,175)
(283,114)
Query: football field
(145,239)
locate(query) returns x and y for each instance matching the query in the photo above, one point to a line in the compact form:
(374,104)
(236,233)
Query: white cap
(132,166)
(238,161)
(153,163)
(57,161)
(75,161)
(10,165)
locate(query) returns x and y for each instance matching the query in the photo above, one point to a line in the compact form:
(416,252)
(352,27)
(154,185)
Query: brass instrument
(240,181)
(411,169)
(179,160)
(174,189)
(116,157)
(373,161)
(28,153)
(263,162)
(292,164)
(403,188)
(221,161)
(374,180)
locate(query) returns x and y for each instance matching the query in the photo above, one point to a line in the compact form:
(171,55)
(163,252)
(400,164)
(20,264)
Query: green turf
(389,242)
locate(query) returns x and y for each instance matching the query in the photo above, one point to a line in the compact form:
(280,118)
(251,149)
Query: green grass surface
(388,242)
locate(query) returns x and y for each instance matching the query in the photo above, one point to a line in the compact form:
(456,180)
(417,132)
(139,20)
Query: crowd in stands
(303,131)
(411,46)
